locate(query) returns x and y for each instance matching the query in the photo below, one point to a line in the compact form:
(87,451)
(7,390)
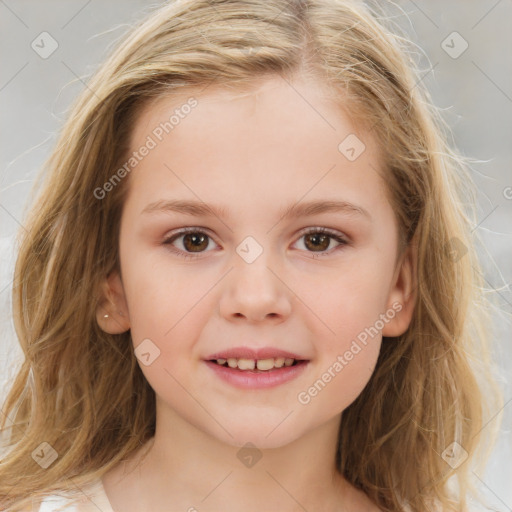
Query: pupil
(318,239)
(196,240)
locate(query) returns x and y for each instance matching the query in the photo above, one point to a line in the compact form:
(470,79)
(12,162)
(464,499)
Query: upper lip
(253,353)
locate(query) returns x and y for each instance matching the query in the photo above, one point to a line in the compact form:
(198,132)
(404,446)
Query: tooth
(288,361)
(221,361)
(246,364)
(265,364)
(279,362)
(232,362)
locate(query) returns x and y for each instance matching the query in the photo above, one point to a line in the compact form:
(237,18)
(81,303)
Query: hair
(81,390)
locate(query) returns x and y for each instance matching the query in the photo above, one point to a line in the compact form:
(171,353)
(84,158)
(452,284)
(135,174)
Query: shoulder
(58,504)
(92,498)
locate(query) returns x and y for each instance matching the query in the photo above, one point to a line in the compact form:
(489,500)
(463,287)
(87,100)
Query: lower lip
(251,379)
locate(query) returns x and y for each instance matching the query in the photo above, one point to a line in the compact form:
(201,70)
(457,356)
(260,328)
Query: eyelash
(319,230)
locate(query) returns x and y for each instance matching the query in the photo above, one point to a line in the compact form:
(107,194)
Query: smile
(259,364)
(257,374)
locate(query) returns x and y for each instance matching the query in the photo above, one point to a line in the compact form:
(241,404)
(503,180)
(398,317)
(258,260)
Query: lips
(251,353)
(256,368)
(257,379)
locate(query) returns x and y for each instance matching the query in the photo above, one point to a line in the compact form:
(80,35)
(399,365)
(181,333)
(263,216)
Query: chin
(260,435)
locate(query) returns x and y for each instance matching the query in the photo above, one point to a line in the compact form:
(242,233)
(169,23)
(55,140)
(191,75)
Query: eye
(319,240)
(191,240)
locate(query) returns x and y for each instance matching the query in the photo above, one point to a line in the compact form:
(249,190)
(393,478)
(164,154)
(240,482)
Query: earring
(105,316)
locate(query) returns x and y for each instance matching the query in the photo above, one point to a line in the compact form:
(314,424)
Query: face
(321,284)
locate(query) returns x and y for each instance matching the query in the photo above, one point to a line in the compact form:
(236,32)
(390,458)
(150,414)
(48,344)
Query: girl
(248,282)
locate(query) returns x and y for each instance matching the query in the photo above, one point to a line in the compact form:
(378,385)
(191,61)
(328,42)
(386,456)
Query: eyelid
(324,230)
(177,233)
(188,229)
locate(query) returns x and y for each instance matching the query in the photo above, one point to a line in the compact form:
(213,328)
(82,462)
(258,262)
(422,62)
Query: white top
(94,499)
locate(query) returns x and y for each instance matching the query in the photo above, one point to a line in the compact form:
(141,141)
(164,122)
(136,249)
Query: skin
(253,154)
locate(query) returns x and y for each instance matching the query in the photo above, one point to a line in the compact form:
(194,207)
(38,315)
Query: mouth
(257,365)
(256,368)
(253,369)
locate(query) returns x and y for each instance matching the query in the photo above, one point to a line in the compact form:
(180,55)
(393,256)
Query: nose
(255,292)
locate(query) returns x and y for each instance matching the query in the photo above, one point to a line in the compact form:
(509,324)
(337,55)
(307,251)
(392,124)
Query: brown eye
(317,241)
(195,242)
(188,243)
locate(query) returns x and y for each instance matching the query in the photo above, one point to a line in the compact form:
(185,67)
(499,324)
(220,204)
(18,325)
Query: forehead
(272,135)
(266,104)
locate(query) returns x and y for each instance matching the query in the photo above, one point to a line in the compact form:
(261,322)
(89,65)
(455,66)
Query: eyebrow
(304,209)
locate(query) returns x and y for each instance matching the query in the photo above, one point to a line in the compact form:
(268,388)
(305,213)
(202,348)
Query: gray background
(474,90)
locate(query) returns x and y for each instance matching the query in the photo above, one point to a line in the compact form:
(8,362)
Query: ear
(112,310)
(402,294)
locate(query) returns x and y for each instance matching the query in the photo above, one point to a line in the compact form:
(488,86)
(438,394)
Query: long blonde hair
(81,390)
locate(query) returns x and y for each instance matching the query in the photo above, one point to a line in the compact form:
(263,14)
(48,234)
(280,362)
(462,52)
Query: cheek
(170,307)
(348,323)
(348,299)
(172,319)
(340,382)
(161,295)
(345,360)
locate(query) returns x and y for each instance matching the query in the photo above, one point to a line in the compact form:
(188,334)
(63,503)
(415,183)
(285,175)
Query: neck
(189,468)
